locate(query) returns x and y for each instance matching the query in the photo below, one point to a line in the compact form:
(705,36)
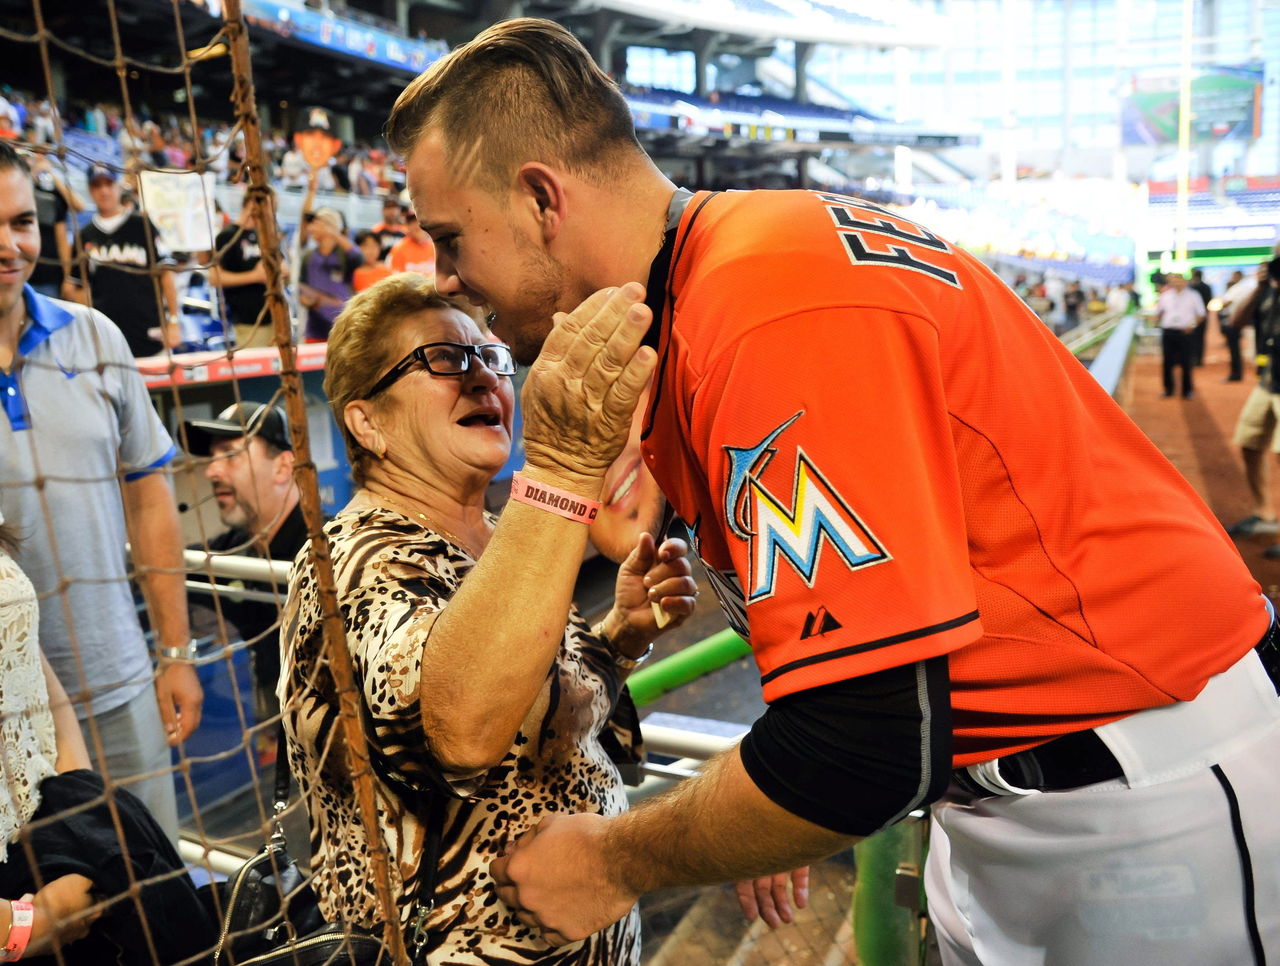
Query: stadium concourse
(1196,436)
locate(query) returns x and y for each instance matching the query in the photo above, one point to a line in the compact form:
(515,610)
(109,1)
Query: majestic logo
(793,533)
(819,622)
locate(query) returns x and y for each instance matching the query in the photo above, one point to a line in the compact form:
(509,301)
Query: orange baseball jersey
(884,456)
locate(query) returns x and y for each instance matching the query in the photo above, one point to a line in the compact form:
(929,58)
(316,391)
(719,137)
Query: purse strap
(430,868)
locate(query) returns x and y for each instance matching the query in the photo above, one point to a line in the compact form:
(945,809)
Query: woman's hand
(766,897)
(651,577)
(61,904)
(582,390)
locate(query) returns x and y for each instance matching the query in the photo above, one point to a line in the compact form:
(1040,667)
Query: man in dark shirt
(251,468)
(1197,336)
(121,251)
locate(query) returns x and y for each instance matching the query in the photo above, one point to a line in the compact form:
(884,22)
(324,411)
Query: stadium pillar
(803,52)
(498,10)
(704,51)
(605,27)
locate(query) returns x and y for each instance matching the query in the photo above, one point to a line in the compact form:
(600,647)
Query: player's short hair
(11,159)
(361,346)
(522,90)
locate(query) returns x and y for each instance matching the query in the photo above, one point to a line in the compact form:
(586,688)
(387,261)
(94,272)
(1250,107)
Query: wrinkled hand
(651,575)
(180,697)
(766,897)
(60,911)
(580,394)
(557,878)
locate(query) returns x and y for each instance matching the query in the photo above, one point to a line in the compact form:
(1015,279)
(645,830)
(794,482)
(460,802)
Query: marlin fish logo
(793,533)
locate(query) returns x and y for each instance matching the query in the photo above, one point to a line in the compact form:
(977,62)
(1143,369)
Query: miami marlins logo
(774,532)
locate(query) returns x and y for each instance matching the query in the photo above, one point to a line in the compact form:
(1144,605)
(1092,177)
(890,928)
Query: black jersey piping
(869,646)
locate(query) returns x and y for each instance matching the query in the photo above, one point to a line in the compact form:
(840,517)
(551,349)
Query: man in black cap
(121,250)
(251,468)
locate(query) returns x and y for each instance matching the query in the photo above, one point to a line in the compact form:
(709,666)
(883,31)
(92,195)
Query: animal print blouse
(392,575)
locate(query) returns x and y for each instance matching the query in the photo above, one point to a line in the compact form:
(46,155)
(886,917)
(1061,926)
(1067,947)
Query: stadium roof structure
(677,123)
(855,23)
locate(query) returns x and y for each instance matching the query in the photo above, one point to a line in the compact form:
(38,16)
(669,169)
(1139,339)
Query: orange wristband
(562,502)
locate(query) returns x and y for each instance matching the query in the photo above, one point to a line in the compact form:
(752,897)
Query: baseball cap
(266,422)
(99,172)
(331,217)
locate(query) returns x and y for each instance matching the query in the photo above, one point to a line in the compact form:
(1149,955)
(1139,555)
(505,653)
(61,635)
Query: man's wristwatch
(186,652)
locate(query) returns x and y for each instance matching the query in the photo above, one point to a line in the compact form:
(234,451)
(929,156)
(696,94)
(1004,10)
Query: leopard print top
(392,577)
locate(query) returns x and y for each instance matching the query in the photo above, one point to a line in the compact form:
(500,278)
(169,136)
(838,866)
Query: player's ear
(541,194)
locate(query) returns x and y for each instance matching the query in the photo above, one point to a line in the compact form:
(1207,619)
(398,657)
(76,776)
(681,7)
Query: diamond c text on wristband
(561,502)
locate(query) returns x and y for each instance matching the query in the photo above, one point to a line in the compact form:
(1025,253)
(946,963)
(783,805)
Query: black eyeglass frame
(419,355)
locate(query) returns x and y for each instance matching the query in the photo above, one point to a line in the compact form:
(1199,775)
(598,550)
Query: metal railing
(1113,335)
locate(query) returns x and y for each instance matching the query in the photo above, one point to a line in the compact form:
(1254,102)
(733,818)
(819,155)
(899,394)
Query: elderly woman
(486,696)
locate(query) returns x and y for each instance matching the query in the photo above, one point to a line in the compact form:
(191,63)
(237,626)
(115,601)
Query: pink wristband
(24,914)
(558,501)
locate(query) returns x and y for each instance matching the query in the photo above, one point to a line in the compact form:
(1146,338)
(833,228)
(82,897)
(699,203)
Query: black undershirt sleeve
(857,755)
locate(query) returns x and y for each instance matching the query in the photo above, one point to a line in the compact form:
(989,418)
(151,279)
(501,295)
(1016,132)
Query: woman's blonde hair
(361,346)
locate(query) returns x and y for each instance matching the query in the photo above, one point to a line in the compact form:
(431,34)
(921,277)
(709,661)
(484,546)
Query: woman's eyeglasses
(449,359)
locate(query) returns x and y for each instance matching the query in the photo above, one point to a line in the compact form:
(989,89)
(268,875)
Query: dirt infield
(1195,434)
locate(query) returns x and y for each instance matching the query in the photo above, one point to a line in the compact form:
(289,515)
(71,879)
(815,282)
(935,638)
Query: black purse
(269,913)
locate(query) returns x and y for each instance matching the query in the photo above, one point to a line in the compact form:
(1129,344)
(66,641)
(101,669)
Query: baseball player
(967,578)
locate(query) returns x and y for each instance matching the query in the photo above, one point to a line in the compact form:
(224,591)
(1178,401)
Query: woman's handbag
(270,914)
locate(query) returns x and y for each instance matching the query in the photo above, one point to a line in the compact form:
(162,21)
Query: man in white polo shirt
(80,447)
(1179,310)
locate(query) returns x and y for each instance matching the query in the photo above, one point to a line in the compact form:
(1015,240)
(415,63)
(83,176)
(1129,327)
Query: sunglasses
(449,359)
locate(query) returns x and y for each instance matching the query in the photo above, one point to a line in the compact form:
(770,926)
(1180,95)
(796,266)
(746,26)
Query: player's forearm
(717,827)
(156,542)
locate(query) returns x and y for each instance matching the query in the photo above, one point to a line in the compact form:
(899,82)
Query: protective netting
(141,260)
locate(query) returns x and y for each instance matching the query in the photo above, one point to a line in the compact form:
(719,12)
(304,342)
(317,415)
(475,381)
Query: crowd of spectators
(171,140)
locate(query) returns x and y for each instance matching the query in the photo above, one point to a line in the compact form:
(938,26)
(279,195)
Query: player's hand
(766,897)
(650,577)
(580,394)
(181,698)
(557,878)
